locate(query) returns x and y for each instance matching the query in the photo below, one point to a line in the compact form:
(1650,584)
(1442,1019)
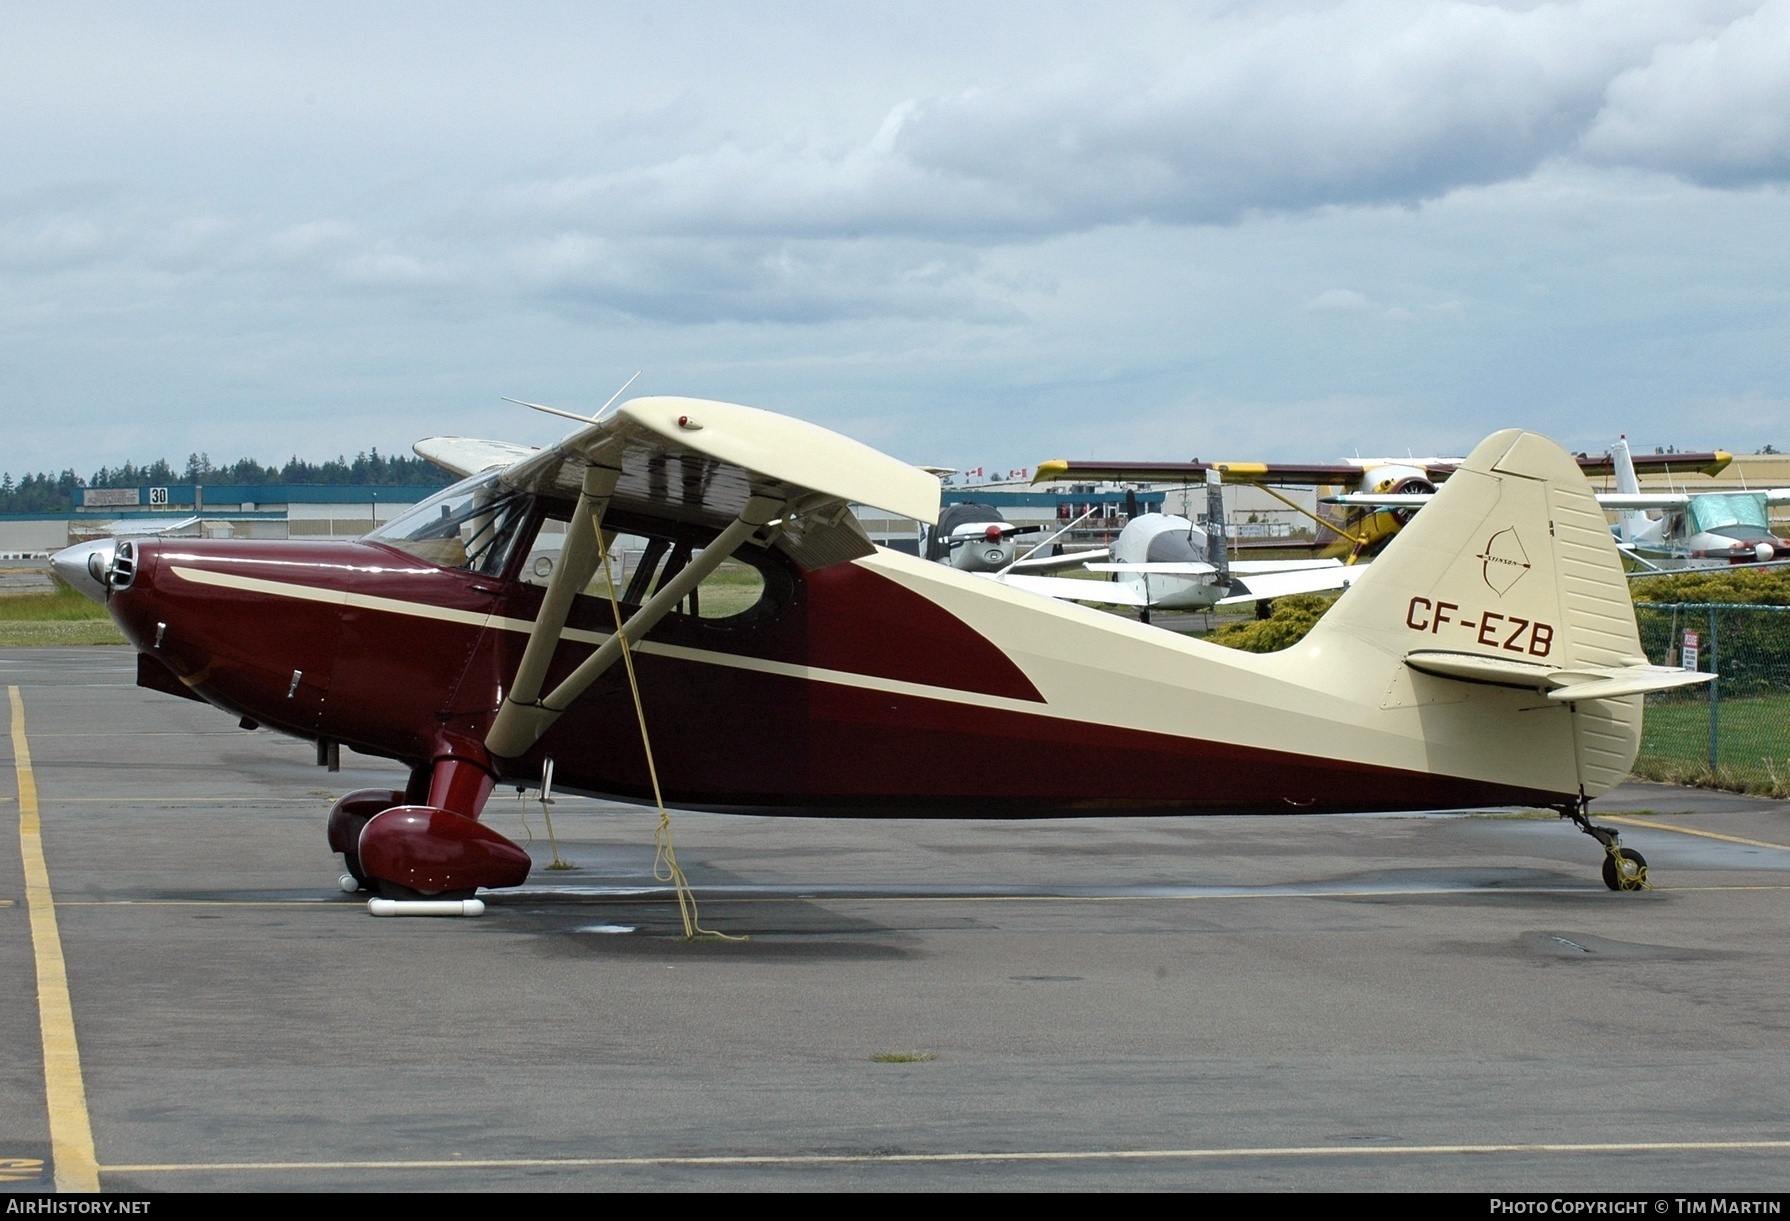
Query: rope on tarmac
(665,866)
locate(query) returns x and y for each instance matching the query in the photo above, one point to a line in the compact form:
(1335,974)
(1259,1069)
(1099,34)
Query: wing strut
(526,715)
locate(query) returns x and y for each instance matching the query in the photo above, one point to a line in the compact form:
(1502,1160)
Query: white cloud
(1361,102)
(1715,109)
(1339,301)
(1044,216)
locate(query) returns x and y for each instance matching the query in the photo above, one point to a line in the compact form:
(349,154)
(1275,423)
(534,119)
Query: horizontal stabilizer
(1164,568)
(1068,589)
(1561,685)
(1250,567)
(1259,587)
(1631,680)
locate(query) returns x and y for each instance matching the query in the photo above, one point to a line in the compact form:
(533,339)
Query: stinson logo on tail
(1504,561)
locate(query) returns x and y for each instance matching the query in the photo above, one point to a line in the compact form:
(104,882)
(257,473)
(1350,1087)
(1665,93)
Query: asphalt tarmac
(1399,1003)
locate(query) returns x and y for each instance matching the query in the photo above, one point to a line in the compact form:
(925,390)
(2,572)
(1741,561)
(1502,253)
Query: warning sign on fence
(1689,652)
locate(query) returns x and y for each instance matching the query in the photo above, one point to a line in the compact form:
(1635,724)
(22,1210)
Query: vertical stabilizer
(1511,562)
(1630,522)
(1217,540)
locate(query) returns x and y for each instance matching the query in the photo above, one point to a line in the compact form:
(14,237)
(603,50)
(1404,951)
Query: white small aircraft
(1164,562)
(975,537)
(1695,530)
(1383,492)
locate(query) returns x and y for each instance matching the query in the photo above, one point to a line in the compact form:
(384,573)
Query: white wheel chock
(426,907)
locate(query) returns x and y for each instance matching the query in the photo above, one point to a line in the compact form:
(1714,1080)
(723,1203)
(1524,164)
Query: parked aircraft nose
(84,566)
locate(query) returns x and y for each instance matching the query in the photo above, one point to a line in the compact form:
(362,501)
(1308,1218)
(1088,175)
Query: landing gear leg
(1624,868)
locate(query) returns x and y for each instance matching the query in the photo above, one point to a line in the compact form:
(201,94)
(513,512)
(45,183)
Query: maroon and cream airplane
(1488,658)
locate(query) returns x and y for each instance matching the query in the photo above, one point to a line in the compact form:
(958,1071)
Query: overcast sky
(970,234)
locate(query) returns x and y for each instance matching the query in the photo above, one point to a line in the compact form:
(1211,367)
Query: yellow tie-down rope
(665,866)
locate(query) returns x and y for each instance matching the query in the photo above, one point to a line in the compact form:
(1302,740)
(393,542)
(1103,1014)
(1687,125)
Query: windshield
(471,525)
(1733,513)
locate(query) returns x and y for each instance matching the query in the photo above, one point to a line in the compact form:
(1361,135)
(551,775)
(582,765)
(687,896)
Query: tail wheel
(1625,869)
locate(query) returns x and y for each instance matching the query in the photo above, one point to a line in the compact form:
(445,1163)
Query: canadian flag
(977,472)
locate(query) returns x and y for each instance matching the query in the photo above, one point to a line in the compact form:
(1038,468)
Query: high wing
(1279,474)
(1676,500)
(1334,474)
(747,475)
(468,455)
(1713,462)
(1612,501)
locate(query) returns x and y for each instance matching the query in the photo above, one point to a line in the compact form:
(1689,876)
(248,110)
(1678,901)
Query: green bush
(1744,586)
(63,604)
(1285,627)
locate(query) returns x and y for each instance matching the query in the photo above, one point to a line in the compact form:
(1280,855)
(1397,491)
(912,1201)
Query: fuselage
(887,685)
(1165,539)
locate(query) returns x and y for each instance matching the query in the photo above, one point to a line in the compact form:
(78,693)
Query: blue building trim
(180,495)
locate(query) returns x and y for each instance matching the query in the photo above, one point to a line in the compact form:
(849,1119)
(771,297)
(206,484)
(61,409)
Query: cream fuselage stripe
(760,665)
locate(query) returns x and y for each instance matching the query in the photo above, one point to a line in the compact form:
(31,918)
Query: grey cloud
(1361,103)
(1279,109)
(695,281)
(1715,110)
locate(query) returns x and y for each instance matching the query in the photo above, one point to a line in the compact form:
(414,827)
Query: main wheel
(1631,874)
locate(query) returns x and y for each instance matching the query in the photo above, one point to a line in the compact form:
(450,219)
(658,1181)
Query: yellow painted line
(325,904)
(20,1169)
(1661,826)
(1054,1155)
(71,1132)
(137,799)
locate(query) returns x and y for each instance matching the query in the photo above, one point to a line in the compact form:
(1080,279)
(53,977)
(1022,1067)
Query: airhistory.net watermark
(62,1206)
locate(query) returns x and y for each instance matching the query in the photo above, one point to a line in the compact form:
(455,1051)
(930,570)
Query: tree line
(47,493)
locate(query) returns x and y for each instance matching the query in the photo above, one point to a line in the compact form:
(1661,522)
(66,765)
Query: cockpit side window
(644,556)
(473,525)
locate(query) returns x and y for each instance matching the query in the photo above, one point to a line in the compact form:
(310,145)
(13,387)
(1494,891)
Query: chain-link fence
(1735,731)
